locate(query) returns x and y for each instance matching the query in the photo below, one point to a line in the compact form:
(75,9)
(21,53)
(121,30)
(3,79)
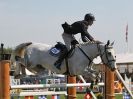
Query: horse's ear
(108,42)
(112,43)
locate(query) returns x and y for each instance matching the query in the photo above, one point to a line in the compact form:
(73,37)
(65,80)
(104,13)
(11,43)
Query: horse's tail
(19,50)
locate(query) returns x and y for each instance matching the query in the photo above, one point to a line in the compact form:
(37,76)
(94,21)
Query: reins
(90,60)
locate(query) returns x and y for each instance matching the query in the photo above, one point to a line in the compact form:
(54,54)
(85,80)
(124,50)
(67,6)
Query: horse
(37,57)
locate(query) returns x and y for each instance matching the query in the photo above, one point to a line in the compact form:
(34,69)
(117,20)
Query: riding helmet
(89,16)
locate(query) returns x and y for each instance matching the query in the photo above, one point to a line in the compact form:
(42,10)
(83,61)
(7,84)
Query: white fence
(52,85)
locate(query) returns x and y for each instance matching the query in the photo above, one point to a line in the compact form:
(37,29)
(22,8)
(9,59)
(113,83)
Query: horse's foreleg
(89,75)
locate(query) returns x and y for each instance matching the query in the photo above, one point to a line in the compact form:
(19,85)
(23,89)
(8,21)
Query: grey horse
(36,58)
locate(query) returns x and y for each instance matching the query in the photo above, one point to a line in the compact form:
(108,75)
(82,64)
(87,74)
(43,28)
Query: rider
(71,30)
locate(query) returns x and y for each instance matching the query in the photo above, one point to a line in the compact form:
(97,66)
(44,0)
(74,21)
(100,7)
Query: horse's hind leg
(20,68)
(39,68)
(23,70)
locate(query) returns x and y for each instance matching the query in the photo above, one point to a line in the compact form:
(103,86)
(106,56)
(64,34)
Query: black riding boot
(61,58)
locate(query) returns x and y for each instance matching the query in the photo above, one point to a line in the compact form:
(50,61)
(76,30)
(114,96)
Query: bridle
(100,53)
(108,63)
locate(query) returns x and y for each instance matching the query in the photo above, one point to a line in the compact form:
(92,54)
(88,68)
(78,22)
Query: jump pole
(52,85)
(109,84)
(71,91)
(4,75)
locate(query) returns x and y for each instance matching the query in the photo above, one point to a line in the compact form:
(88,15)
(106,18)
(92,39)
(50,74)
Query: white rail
(52,85)
(39,93)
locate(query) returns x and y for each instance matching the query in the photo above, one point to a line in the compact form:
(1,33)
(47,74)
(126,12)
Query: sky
(40,21)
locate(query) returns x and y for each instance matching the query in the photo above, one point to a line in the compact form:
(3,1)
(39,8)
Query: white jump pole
(119,76)
(51,85)
(38,93)
(81,77)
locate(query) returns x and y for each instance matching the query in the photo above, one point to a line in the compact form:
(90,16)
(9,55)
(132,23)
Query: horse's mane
(90,43)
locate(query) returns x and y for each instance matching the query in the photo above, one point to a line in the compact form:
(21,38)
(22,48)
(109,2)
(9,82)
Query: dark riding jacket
(78,27)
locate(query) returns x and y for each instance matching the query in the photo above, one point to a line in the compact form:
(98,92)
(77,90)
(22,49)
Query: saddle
(62,47)
(62,54)
(58,49)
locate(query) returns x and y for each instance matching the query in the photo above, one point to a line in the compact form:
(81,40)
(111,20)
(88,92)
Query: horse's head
(108,56)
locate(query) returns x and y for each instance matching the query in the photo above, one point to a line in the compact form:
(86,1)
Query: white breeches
(68,38)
